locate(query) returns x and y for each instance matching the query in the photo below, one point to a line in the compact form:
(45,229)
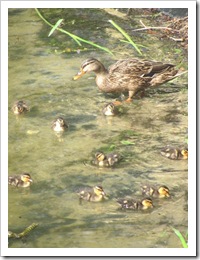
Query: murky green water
(44,80)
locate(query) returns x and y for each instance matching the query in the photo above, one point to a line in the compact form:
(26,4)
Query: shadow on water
(40,72)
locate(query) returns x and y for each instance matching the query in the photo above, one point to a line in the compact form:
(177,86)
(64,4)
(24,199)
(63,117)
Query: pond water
(59,165)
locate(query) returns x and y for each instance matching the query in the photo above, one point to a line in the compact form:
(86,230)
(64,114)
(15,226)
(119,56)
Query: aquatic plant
(23,233)
(76,38)
(181,237)
(126,36)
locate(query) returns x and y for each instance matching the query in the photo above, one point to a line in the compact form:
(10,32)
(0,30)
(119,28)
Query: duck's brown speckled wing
(138,68)
(125,75)
(134,74)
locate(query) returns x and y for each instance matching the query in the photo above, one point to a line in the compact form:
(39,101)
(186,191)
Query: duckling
(109,109)
(160,192)
(23,180)
(95,195)
(113,158)
(136,205)
(59,125)
(101,160)
(20,107)
(175,153)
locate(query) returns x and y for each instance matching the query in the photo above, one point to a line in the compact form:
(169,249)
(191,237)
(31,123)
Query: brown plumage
(130,75)
(94,194)
(135,204)
(59,125)
(175,153)
(19,107)
(158,191)
(23,180)
(103,160)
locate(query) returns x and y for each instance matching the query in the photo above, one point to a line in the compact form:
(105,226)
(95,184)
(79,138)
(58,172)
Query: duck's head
(163,191)
(184,153)
(60,121)
(88,66)
(59,125)
(147,203)
(26,178)
(100,156)
(19,107)
(109,109)
(98,190)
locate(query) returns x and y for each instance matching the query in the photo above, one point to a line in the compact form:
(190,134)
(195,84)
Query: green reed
(181,237)
(76,38)
(126,36)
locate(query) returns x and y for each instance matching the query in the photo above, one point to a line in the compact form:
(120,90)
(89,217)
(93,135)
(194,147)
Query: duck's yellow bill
(79,74)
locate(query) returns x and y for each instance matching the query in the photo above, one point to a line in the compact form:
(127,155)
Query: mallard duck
(23,180)
(109,109)
(175,153)
(130,75)
(19,107)
(160,191)
(94,194)
(135,204)
(59,125)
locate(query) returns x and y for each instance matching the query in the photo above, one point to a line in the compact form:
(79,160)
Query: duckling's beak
(79,74)
(106,196)
(30,180)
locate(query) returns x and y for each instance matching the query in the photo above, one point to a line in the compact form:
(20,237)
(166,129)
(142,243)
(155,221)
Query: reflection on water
(60,164)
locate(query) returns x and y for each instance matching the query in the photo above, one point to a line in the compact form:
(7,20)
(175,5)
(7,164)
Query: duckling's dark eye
(99,188)
(149,201)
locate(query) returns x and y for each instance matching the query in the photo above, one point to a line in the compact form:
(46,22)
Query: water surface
(43,78)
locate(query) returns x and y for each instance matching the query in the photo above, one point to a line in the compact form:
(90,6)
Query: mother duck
(130,75)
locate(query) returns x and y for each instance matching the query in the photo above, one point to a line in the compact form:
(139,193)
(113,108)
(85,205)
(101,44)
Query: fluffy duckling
(101,160)
(175,153)
(136,205)
(113,158)
(20,107)
(94,194)
(23,180)
(109,110)
(59,125)
(160,191)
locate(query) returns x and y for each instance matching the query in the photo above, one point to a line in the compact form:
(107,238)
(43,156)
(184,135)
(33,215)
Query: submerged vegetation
(78,39)
(24,233)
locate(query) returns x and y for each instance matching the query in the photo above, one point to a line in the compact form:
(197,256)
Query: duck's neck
(101,78)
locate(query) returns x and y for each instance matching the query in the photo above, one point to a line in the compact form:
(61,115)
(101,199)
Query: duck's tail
(162,78)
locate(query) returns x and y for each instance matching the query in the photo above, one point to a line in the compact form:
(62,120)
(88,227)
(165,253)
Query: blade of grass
(125,35)
(59,29)
(125,142)
(74,37)
(55,27)
(180,236)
